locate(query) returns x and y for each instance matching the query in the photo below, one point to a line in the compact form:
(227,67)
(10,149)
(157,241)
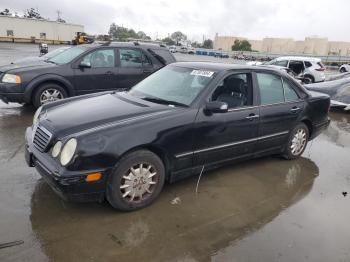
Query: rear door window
(307,64)
(271,88)
(296,66)
(289,92)
(130,58)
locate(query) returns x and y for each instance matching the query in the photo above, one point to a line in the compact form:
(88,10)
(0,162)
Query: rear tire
(136,181)
(297,142)
(48,93)
(308,79)
(342,70)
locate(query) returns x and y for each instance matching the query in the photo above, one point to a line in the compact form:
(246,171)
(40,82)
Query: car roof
(222,66)
(299,58)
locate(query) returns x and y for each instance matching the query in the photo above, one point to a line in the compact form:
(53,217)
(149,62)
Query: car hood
(28,60)
(98,111)
(25,66)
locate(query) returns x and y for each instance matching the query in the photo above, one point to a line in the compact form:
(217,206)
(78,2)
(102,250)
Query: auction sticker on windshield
(202,73)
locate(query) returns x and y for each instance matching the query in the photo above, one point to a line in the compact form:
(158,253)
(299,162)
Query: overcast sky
(254,19)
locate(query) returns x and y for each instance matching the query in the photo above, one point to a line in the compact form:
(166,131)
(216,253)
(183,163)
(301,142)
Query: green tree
(178,36)
(122,34)
(113,30)
(31,13)
(5,12)
(195,44)
(208,43)
(168,41)
(241,45)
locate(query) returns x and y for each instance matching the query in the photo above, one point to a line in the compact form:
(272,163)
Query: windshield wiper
(163,101)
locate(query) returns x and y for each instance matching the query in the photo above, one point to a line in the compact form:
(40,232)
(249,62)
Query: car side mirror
(216,107)
(85,64)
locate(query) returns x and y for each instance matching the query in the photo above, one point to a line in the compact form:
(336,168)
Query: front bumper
(69,185)
(11,93)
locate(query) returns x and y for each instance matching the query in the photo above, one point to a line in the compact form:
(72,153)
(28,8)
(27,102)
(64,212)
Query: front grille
(41,138)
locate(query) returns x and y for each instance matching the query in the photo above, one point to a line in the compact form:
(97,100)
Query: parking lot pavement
(267,209)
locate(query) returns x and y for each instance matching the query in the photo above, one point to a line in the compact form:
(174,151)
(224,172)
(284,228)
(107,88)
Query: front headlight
(36,116)
(68,151)
(56,150)
(12,79)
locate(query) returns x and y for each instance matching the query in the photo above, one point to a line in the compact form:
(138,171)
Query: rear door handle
(147,70)
(252,117)
(109,73)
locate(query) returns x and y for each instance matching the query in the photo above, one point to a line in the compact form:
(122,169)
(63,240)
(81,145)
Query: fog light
(93,177)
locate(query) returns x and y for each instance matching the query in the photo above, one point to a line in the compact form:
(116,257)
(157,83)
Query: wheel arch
(311,76)
(158,151)
(308,123)
(36,83)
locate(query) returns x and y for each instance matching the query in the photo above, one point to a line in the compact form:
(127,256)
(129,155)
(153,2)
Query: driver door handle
(109,73)
(295,109)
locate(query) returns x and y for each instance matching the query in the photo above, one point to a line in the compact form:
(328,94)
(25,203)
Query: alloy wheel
(50,95)
(298,142)
(139,182)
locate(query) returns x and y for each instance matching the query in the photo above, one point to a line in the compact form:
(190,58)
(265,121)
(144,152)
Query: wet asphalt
(267,209)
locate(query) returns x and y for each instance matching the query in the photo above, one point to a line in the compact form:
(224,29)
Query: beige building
(311,45)
(20,29)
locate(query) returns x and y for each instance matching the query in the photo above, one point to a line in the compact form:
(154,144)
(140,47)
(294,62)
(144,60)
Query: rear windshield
(163,56)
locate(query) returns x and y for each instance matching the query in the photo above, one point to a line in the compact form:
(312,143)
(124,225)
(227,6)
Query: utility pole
(58,15)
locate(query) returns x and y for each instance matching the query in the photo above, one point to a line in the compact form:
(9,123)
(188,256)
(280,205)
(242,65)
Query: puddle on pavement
(231,203)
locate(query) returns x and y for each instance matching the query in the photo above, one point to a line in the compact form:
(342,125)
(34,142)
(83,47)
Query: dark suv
(81,70)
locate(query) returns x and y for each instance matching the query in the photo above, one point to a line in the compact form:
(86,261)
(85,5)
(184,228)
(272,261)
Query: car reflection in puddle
(231,203)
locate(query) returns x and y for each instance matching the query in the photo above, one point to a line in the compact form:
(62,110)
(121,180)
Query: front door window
(235,90)
(100,58)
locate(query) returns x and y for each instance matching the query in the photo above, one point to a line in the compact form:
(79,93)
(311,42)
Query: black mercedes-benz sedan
(185,118)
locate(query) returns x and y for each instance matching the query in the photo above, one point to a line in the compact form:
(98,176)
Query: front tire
(297,142)
(136,181)
(48,93)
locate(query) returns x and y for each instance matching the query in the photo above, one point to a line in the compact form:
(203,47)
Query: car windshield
(67,56)
(55,52)
(173,85)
